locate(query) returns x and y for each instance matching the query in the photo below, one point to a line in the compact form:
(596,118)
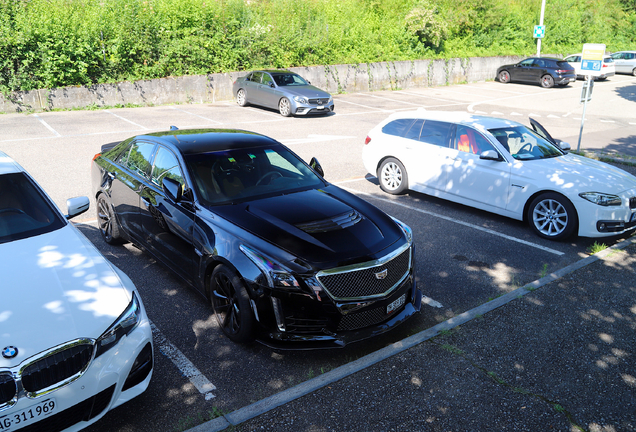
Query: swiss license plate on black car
(27,416)
(395,305)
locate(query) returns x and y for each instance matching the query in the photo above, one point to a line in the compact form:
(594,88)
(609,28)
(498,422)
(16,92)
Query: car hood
(56,287)
(307,91)
(317,226)
(575,174)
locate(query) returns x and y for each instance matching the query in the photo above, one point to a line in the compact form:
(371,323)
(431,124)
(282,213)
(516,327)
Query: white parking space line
(186,367)
(196,115)
(393,100)
(363,106)
(446,218)
(314,138)
(423,95)
(125,119)
(47,125)
(432,303)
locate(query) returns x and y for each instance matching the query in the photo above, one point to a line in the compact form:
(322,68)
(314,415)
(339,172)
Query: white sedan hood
(55,288)
(575,174)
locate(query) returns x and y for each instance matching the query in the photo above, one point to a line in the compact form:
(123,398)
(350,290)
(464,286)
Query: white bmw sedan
(503,167)
(75,340)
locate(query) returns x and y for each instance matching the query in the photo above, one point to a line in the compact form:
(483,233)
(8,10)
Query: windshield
(289,79)
(525,144)
(24,210)
(231,176)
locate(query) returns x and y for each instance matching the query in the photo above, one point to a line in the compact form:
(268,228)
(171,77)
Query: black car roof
(193,141)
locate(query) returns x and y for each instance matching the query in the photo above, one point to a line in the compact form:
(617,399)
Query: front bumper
(598,221)
(311,109)
(326,327)
(115,377)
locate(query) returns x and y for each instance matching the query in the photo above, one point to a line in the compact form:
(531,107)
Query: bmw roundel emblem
(9,352)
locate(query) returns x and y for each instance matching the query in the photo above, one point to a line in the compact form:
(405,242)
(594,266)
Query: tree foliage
(53,43)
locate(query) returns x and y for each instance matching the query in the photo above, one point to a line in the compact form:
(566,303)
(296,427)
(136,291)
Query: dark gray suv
(546,71)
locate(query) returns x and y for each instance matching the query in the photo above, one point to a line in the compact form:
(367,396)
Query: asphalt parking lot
(465,257)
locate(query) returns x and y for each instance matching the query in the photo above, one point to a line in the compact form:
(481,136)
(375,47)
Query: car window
(435,132)
(166,165)
(539,63)
(629,56)
(573,59)
(608,60)
(527,62)
(140,157)
(267,80)
(397,127)
(561,64)
(288,79)
(413,132)
(525,144)
(256,77)
(470,141)
(617,56)
(24,209)
(231,176)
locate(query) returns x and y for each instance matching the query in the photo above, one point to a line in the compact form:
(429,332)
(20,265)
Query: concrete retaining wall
(217,87)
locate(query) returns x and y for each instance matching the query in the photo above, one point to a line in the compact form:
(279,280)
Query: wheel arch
(531,198)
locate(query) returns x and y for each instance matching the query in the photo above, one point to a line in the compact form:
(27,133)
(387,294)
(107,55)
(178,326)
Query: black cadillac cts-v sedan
(282,255)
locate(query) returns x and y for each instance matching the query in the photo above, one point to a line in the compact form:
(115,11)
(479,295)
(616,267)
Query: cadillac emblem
(381,275)
(9,352)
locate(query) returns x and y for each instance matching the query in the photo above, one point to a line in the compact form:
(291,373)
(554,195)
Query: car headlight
(125,324)
(330,99)
(275,274)
(602,199)
(408,232)
(301,99)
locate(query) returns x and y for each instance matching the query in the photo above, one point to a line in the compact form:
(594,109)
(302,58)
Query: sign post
(591,65)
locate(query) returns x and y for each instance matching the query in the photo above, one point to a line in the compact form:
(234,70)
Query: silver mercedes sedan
(286,91)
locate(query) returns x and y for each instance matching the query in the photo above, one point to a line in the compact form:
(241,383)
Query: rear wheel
(552,216)
(504,77)
(547,81)
(231,305)
(634,71)
(241,98)
(108,226)
(392,176)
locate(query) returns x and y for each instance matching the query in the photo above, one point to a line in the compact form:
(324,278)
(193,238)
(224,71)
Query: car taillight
(604,65)
(562,71)
(368,140)
(96,156)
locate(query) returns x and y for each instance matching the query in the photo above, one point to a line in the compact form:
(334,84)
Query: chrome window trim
(366,266)
(18,370)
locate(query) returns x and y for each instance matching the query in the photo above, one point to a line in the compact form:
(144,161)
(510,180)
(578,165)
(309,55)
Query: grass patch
(195,420)
(596,247)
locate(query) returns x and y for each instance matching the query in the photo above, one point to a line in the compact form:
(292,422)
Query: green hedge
(54,43)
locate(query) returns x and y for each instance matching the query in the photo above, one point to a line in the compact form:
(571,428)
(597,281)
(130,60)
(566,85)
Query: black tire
(552,216)
(504,77)
(634,71)
(107,222)
(392,176)
(241,98)
(547,81)
(231,305)
(284,107)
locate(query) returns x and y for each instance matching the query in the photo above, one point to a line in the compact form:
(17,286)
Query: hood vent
(342,221)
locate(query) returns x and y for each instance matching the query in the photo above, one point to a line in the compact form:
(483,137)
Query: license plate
(396,304)
(320,107)
(27,416)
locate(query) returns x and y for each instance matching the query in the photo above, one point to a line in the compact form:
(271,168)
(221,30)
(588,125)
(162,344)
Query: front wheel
(231,305)
(284,107)
(634,71)
(547,81)
(108,226)
(552,216)
(504,77)
(392,176)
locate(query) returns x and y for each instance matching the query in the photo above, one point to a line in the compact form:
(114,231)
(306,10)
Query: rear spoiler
(109,146)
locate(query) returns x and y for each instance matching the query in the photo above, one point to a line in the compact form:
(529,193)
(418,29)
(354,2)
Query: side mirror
(316,166)
(566,147)
(172,189)
(272,85)
(76,206)
(490,155)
